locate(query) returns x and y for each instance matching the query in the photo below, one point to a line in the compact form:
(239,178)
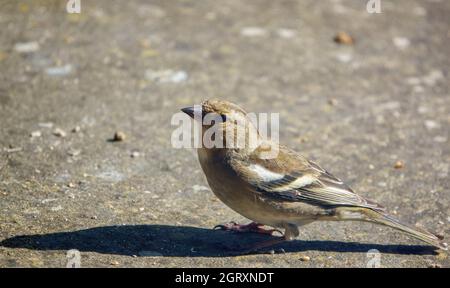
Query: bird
(282,189)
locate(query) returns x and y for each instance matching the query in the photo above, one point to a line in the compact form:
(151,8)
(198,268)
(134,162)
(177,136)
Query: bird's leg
(291,231)
(252,227)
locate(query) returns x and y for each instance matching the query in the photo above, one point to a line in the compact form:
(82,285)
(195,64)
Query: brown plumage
(285,191)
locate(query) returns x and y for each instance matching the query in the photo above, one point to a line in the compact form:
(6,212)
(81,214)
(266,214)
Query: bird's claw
(227,226)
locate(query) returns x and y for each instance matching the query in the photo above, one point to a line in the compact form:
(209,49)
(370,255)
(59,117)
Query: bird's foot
(251,227)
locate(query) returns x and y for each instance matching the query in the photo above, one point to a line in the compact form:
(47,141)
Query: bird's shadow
(182,241)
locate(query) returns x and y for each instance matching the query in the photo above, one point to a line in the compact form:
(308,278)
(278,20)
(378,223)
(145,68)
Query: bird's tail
(416,232)
(383,218)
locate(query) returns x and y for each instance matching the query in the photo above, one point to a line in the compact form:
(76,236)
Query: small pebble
(419,11)
(332,102)
(13,149)
(48,200)
(56,208)
(433,77)
(303,139)
(59,70)
(114,263)
(286,33)
(418,89)
(71,185)
(198,188)
(434,265)
(76,129)
(430,124)
(401,42)
(94,217)
(344,57)
(74,152)
(305,258)
(27,47)
(178,76)
(46,125)
(35,134)
(59,133)
(399,165)
(344,38)
(253,32)
(166,76)
(414,81)
(119,136)
(134,154)
(440,139)
(422,110)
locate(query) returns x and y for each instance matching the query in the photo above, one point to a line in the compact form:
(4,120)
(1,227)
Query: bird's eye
(224,117)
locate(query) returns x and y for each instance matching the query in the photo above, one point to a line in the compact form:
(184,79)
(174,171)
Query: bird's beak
(189,111)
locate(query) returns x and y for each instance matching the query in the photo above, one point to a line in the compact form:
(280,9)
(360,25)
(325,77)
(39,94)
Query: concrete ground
(68,82)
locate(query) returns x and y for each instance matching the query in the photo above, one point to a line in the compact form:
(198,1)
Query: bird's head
(223,117)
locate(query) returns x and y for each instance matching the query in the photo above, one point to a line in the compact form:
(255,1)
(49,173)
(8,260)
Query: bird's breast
(239,195)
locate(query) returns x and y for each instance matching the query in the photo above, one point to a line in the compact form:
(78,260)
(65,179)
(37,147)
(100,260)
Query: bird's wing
(291,177)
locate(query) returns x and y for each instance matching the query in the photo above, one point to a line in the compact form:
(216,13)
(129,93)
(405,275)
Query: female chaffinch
(285,191)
